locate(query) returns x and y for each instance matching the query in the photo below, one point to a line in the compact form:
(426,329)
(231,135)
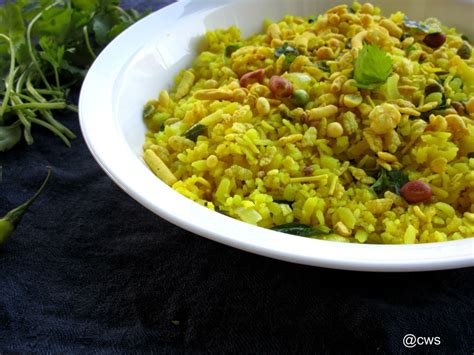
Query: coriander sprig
(372,67)
(46,48)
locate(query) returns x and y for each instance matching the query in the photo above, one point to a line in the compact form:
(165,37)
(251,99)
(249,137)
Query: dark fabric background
(90,270)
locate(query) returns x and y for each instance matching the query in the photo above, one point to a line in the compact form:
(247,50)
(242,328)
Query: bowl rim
(96,100)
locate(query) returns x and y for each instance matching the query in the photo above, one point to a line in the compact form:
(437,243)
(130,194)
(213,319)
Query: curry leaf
(428,26)
(195,131)
(302,230)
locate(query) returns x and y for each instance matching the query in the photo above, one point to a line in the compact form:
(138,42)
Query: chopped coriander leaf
(285,49)
(398,178)
(288,51)
(231,48)
(389,181)
(372,67)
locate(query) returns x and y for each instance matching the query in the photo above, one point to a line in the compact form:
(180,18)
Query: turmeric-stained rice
(321,121)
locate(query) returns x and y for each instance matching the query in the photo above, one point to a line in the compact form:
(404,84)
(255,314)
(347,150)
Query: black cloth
(90,270)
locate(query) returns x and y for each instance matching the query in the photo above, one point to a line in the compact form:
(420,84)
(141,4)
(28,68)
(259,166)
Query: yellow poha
(357,125)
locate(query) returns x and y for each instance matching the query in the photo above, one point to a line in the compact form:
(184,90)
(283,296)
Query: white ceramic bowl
(146,57)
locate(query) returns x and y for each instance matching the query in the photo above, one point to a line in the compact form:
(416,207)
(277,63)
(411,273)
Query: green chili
(9,222)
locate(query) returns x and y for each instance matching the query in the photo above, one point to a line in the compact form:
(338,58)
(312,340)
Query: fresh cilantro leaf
(22,56)
(116,30)
(372,67)
(381,184)
(231,48)
(73,70)
(11,23)
(63,40)
(397,179)
(389,181)
(84,5)
(288,51)
(52,53)
(9,136)
(55,23)
(101,25)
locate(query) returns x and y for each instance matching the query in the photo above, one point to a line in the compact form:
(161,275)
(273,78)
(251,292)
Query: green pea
(300,97)
(456,84)
(434,97)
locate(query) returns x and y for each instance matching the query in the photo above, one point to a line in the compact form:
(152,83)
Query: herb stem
(31,49)
(9,81)
(38,106)
(88,44)
(44,110)
(55,93)
(52,129)
(124,13)
(24,120)
(72,108)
